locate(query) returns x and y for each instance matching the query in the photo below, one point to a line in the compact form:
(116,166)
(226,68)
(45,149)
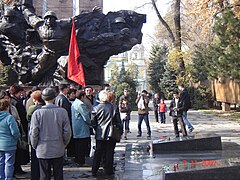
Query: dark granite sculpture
(36,48)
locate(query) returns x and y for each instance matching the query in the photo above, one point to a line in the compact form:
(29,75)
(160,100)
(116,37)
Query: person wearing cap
(50,132)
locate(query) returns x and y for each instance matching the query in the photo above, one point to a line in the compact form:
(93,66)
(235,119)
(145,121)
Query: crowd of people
(66,121)
(178,108)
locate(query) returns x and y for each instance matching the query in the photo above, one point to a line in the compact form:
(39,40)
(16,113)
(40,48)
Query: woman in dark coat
(22,156)
(103,116)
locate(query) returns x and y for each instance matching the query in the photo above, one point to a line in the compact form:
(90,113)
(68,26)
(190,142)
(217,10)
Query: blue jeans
(144,117)
(186,121)
(125,124)
(7,159)
(162,117)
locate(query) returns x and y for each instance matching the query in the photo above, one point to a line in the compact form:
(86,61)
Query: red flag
(75,69)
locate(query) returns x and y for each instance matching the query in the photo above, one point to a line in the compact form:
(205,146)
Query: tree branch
(164,23)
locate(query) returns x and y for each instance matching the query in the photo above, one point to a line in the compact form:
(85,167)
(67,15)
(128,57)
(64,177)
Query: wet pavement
(133,160)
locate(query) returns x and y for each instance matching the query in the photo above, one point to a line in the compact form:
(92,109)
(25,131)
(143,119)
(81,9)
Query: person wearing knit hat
(50,133)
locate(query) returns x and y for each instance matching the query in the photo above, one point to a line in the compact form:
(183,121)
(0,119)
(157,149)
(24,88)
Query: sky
(137,5)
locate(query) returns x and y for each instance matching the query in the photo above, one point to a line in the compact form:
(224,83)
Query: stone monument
(36,48)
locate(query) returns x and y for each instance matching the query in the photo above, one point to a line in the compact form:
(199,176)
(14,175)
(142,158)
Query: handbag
(116,130)
(116,133)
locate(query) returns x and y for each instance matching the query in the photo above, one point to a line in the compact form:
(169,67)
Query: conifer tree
(158,59)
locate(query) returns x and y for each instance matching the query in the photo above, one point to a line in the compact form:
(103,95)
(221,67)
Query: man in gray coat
(50,133)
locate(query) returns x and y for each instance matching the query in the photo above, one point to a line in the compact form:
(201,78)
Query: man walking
(176,109)
(185,98)
(50,132)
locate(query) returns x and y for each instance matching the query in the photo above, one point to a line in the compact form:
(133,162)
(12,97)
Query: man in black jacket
(176,111)
(62,101)
(185,98)
(156,101)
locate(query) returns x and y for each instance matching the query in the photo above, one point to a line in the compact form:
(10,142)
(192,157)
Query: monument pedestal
(189,143)
(223,169)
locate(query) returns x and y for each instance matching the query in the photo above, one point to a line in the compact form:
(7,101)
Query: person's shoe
(125,137)
(148,136)
(191,129)
(66,162)
(139,135)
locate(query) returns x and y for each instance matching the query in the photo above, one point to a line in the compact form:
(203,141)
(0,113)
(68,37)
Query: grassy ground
(232,115)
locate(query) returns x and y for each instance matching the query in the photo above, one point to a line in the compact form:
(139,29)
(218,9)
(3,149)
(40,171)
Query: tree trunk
(177,24)
(178,42)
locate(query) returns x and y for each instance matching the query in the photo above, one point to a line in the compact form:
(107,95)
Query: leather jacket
(179,105)
(101,120)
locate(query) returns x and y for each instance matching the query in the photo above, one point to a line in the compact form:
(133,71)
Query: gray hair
(103,96)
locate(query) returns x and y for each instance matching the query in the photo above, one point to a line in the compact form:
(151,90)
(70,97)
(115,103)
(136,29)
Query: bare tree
(175,35)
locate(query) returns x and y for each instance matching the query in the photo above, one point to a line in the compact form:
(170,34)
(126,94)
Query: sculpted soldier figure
(55,38)
(11,27)
(42,59)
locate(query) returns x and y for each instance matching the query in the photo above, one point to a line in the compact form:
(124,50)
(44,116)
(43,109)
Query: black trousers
(71,148)
(156,115)
(45,168)
(81,149)
(182,125)
(35,174)
(104,148)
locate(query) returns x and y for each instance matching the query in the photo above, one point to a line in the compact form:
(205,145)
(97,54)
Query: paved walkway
(147,167)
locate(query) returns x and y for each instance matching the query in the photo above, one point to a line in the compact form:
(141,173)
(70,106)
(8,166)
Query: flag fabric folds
(75,69)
